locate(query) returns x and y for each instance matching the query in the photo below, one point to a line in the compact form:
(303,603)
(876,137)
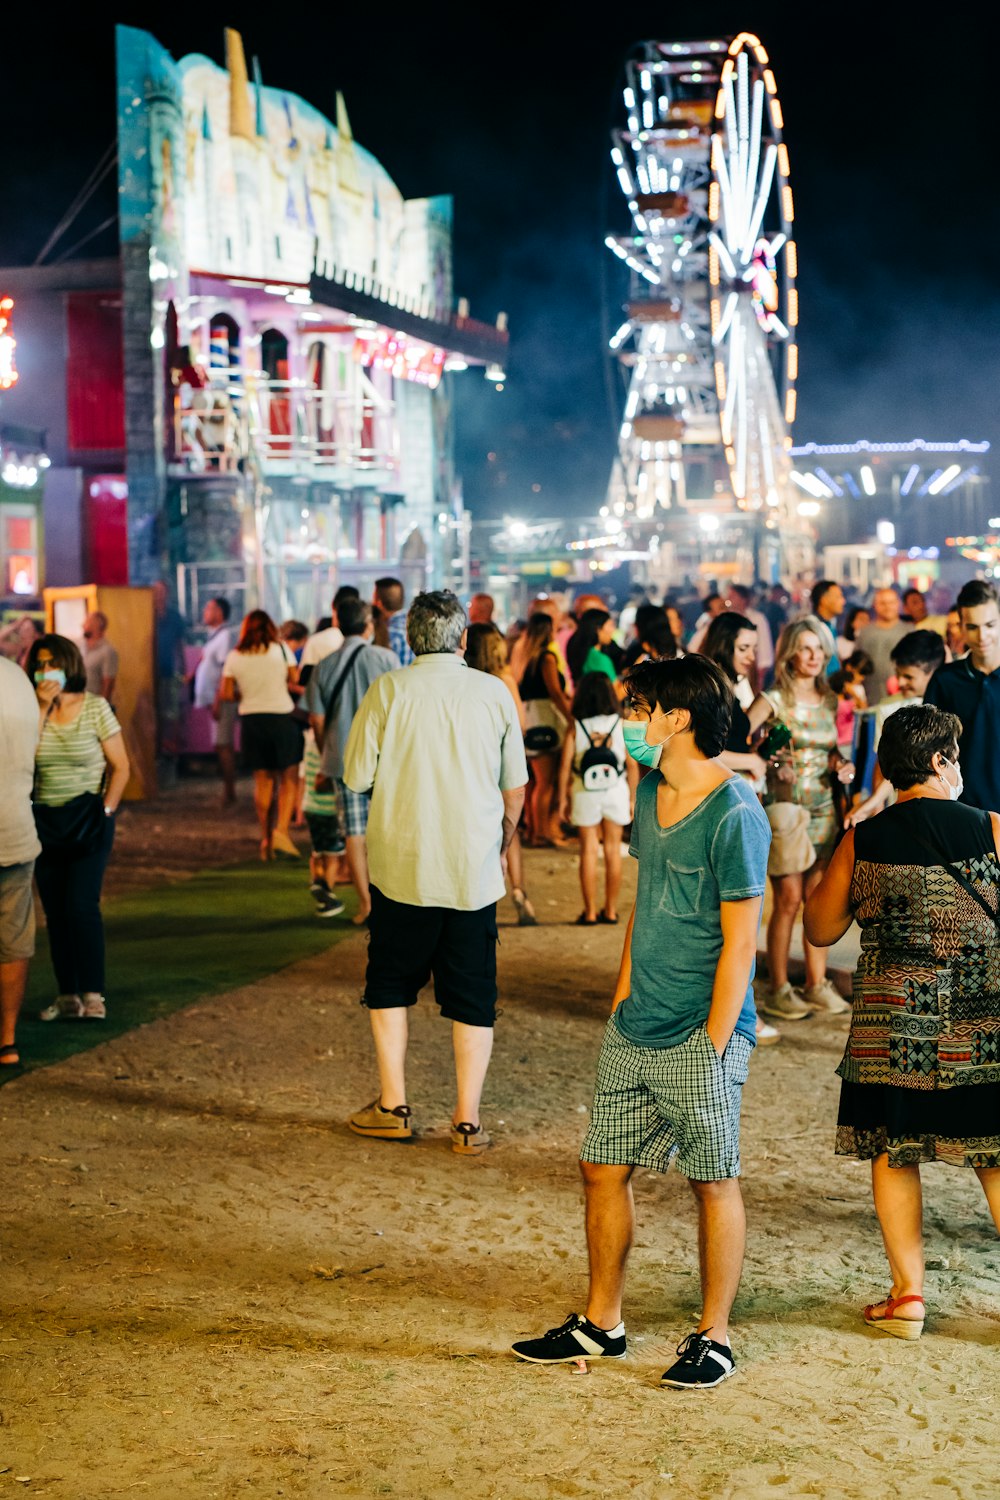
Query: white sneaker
(767,1035)
(63,1008)
(94,1008)
(825,997)
(785,1003)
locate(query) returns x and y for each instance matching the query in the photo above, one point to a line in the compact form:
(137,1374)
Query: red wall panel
(95,385)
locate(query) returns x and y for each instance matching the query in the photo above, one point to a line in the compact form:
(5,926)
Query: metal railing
(239,413)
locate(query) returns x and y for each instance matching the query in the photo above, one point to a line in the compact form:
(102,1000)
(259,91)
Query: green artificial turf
(178,943)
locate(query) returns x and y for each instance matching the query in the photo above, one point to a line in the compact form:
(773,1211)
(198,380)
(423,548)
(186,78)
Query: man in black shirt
(970,688)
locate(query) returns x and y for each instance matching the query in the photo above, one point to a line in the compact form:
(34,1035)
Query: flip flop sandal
(900,1328)
(584,921)
(606,920)
(9,1056)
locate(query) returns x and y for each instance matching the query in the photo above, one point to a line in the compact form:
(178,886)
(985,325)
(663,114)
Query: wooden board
(131,630)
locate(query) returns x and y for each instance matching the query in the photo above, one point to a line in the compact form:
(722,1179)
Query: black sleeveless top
(899,835)
(533,683)
(738,738)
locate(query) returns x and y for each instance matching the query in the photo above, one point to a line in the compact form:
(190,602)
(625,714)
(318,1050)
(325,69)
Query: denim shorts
(657,1105)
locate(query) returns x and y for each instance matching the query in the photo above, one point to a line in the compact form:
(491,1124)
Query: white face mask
(954,789)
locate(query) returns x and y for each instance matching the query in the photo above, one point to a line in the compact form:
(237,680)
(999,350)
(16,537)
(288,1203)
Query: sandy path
(211,1288)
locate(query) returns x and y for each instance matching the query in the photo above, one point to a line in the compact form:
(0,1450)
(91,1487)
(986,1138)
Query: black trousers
(70,891)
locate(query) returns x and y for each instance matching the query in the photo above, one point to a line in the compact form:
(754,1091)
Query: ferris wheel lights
(867,479)
(625,179)
(769,83)
(783,159)
(792,362)
(791,399)
(937,485)
(617,157)
(793,307)
(645,80)
(776,115)
(629,97)
(791,258)
(787,203)
(907,484)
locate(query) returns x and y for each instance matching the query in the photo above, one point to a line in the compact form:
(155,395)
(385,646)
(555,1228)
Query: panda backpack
(599,765)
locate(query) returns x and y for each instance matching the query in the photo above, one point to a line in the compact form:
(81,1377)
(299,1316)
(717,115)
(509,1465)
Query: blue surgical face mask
(51,674)
(635,744)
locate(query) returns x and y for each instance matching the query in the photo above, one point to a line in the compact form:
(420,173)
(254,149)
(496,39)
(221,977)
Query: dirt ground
(211,1288)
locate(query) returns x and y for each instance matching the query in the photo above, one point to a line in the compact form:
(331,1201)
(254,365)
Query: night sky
(892,137)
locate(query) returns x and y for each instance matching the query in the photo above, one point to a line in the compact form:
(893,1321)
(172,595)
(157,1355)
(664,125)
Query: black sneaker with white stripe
(577,1338)
(702,1364)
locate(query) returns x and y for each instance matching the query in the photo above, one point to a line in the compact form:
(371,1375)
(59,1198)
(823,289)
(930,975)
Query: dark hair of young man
(695,683)
(658,636)
(911,737)
(65,655)
(390,594)
(223,606)
(921,648)
(974,593)
(819,588)
(346,591)
(594,696)
(354,615)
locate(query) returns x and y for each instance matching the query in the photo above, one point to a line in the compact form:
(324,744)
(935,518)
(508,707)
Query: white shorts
(590,809)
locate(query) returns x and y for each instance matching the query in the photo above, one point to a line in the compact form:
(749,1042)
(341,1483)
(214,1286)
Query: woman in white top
(597,783)
(258,674)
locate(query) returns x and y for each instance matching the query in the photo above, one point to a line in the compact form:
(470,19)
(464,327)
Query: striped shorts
(655,1105)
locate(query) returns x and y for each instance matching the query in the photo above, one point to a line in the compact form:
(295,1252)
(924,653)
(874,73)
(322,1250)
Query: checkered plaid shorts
(653,1105)
(355,805)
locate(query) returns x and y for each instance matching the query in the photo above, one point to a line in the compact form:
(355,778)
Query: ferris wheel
(708,346)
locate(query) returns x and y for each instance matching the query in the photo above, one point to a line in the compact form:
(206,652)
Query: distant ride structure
(707,345)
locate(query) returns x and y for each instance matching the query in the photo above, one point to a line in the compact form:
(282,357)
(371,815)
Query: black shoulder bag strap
(942,864)
(340,682)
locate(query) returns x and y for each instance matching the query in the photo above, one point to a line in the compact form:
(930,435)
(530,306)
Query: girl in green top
(584,653)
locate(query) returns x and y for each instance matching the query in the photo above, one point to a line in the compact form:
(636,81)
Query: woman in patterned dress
(802,699)
(921,1071)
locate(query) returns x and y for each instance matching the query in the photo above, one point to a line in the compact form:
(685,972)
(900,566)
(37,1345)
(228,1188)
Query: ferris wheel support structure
(707,346)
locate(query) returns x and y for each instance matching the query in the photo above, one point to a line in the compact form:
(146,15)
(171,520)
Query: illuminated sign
(403,358)
(8,370)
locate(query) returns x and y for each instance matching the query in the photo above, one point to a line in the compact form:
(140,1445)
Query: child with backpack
(597,782)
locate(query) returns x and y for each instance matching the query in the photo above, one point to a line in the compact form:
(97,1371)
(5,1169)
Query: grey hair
(436,623)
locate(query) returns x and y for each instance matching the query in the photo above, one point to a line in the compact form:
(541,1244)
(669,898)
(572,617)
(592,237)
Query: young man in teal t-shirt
(677,1046)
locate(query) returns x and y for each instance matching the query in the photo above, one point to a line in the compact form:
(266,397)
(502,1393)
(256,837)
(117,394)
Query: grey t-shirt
(880,641)
(100,662)
(717,853)
(19,720)
(340,674)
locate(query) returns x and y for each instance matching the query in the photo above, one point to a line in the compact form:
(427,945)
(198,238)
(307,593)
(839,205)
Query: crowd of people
(822,748)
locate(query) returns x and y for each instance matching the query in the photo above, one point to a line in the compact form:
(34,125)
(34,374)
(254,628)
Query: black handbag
(74,829)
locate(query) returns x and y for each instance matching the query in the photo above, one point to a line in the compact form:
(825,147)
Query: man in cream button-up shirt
(440,749)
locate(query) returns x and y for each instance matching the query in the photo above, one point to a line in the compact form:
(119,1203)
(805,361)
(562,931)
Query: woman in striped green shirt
(81,770)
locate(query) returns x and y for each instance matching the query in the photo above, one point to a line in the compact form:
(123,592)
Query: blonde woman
(803,773)
(486,651)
